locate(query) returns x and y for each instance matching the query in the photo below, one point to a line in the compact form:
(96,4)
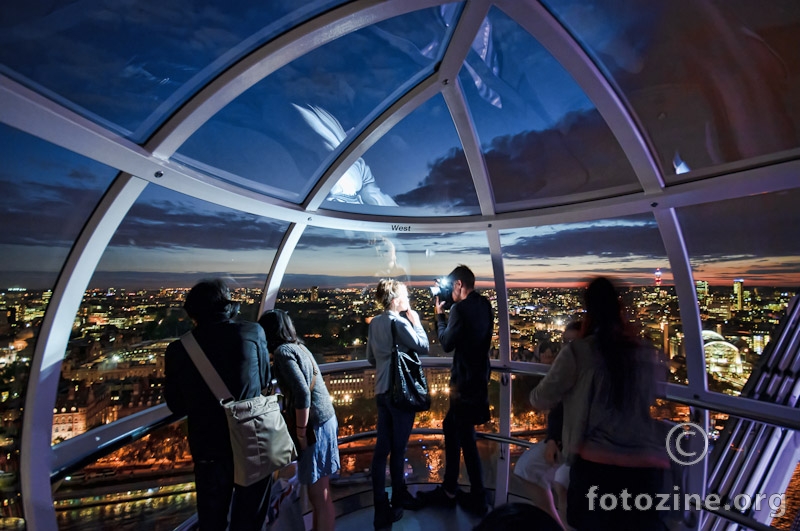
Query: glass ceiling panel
(280,135)
(129,65)
(548,267)
(543,139)
(416,169)
(330,282)
(133,307)
(711,82)
(745,257)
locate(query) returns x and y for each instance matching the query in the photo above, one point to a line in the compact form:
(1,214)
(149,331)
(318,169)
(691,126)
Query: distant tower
(314,293)
(702,290)
(658,277)
(738,292)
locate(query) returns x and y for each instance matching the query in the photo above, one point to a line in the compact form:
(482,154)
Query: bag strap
(207,371)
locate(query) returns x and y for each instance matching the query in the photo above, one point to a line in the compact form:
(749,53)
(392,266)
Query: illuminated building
(738,293)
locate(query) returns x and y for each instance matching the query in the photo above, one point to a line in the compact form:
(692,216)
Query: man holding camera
(468,334)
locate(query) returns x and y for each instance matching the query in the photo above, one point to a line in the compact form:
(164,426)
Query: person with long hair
(300,379)
(398,324)
(607,380)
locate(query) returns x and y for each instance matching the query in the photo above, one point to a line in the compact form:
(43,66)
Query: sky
(542,138)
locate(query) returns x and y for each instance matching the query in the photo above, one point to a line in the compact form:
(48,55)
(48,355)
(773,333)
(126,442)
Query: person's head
(572,331)
(392,295)
(603,308)
(517,516)
(547,352)
(617,345)
(279,328)
(463,281)
(210,300)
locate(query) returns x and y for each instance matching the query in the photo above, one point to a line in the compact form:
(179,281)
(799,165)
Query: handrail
(67,463)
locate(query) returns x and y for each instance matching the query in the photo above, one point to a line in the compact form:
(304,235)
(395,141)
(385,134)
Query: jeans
(394,429)
(459,435)
(217,495)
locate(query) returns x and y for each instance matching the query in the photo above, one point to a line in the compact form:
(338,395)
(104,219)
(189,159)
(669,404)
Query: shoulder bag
(288,409)
(259,438)
(408,386)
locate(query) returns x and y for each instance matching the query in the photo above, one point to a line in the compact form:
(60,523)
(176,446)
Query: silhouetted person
(238,352)
(468,334)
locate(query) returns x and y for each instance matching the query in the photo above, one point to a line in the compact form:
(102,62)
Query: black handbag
(408,386)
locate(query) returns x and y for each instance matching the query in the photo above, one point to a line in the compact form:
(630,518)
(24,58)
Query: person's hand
(438,307)
(301,438)
(413,318)
(552,455)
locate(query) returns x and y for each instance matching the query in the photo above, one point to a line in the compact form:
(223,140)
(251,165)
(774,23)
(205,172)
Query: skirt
(321,458)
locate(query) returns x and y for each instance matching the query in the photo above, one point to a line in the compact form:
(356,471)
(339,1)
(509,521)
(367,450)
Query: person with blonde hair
(398,324)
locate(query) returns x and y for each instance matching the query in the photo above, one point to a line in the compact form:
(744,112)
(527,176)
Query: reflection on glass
(419,166)
(542,137)
(330,283)
(746,265)
(712,82)
(262,142)
(150,480)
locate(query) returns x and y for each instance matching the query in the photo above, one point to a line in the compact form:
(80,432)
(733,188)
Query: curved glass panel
(149,482)
(46,195)
(745,258)
(711,82)
(329,286)
(114,365)
(544,297)
(543,139)
(416,169)
(130,65)
(277,137)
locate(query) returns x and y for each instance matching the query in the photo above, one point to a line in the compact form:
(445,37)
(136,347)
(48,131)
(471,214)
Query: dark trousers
(217,495)
(589,481)
(394,428)
(459,436)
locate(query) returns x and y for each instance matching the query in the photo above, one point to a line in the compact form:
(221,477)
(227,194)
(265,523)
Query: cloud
(633,237)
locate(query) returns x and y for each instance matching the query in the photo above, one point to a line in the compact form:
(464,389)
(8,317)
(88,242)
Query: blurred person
(295,368)
(238,352)
(546,352)
(541,466)
(468,334)
(394,425)
(607,380)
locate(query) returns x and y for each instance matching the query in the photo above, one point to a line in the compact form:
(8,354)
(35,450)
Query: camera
(443,288)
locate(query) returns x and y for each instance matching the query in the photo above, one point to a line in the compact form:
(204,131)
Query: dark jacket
(238,351)
(468,333)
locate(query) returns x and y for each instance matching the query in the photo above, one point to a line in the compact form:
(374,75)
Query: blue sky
(541,136)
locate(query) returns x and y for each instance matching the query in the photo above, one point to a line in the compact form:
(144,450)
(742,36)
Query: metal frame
(30,112)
